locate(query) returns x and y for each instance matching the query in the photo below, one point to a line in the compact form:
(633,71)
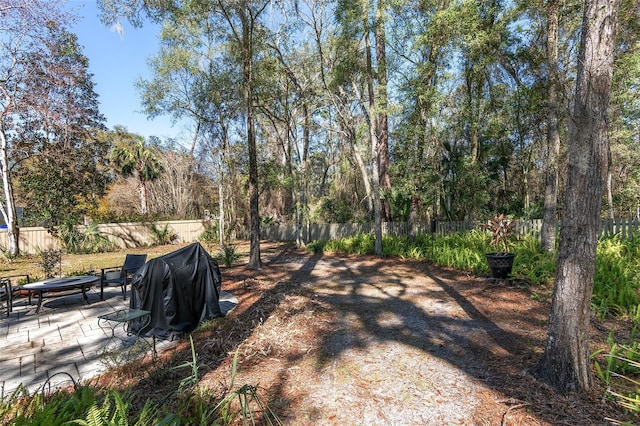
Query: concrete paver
(62,343)
(50,347)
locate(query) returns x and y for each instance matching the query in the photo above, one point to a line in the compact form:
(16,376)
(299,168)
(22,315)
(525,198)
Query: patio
(62,341)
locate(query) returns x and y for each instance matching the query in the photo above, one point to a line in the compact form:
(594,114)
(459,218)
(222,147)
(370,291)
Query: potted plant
(502,231)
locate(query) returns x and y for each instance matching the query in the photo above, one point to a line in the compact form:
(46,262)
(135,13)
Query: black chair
(119,276)
(7,290)
(6,294)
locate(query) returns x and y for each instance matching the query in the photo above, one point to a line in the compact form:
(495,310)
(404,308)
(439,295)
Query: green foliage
(53,409)
(76,241)
(335,210)
(318,246)
(267,220)
(61,170)
(356,244)
(51,262)
(84,406)
(616,281)
(247,397)
(463,250)
(242,403)
(87,406)
(133,158)
(228,254)
(190,381)
(210,233)
(619,372)
(136,159)
(116,409)
(162,236)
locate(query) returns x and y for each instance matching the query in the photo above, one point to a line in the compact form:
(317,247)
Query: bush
(51,262)
(162,236)
(75,241)
(228,254)
(210,233)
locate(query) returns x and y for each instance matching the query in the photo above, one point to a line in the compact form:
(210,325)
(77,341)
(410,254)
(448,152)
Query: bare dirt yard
(361,340)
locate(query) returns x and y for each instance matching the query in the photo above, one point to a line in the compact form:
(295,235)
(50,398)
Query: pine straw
(361,340)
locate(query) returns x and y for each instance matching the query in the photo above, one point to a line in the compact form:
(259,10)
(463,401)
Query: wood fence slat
(33,239)
(625,227)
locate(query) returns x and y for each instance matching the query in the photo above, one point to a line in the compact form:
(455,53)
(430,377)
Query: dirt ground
(360,340)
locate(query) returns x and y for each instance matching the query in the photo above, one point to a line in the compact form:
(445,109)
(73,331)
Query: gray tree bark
(548,232)
(565,363)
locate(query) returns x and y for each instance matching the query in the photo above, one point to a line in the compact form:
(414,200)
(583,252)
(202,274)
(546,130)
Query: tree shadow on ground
(479,331)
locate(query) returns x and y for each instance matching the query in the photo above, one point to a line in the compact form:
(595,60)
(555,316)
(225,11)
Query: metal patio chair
(120,276)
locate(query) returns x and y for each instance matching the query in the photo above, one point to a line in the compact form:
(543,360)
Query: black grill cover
(181,289)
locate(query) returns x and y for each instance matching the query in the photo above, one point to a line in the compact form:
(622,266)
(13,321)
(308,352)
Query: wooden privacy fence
(123,235)
(126,235)
(623,227)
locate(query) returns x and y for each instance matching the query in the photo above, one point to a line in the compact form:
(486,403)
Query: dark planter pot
(500,264)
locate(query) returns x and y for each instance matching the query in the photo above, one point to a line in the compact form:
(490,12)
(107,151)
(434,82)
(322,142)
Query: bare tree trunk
(610,194)
(413,218)
(254,249)
(304,177)
(247,46)
(221,210)
(548,231)
(375,151)
(195,138)
(8,208)
(142,192)
(565,364)
(383,122)
(365,176)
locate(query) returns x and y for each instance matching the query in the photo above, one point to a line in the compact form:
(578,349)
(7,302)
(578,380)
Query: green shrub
(210,233)
(615,289)
(162,236)
(51,262)
(619,372)
(88,241)
(228,254)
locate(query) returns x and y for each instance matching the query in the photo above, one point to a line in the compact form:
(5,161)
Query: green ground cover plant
(87,405)
(616,286)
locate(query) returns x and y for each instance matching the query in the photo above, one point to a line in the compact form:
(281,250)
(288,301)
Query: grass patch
(616,289)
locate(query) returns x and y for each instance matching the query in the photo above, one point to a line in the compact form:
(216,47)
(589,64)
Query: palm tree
(139,161)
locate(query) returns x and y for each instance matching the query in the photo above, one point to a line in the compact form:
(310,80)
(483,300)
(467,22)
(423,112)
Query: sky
(116,62)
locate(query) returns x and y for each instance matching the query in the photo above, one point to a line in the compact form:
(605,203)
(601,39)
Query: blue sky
(116,63)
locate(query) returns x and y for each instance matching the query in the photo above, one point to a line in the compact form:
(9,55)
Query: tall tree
(290,115)
(138,160)
(358,27)
(624,186)
(548,232)
(382,112)
(429,30)
(240,22)
(27,28)
(565,363)
(192,79)
(67,173)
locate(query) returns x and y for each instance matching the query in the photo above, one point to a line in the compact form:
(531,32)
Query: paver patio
(62,343)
